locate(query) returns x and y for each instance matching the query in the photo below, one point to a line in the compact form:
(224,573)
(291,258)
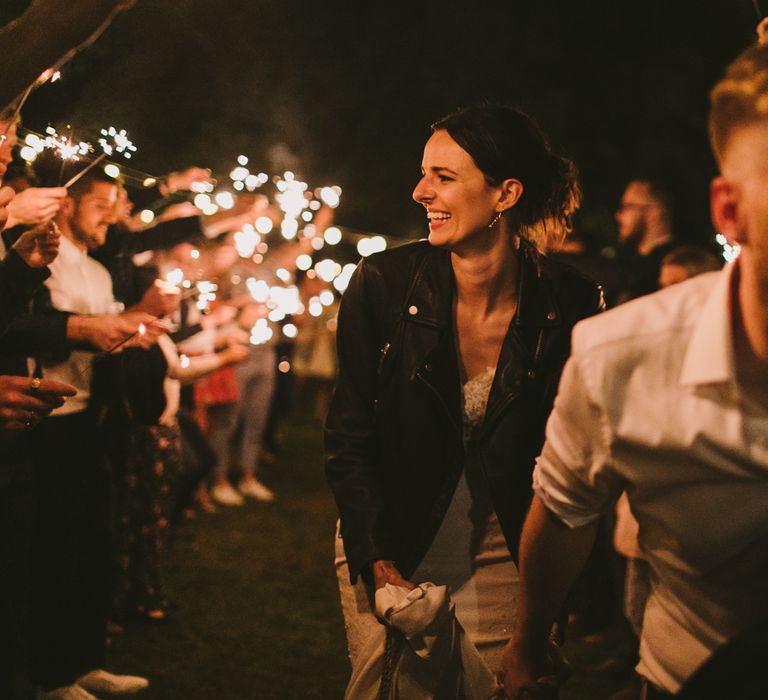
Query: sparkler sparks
(63,147)
(114,141)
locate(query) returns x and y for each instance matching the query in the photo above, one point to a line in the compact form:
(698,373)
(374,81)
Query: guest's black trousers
(71,551)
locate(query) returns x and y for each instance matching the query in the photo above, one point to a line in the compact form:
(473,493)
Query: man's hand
(160,300)
(182,210)
(520,672)
(34,206)
(184,180)
(105,333)
(385,572)
(247,209)
(234,354)
(6,195)
(25,401)
(39,246)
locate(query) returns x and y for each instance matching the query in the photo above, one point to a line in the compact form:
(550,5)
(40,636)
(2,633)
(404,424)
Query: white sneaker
(226,495)
(67,692)
(100,681)
(253,488)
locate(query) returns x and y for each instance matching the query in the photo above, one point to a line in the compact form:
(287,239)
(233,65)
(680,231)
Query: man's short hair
(51,172)
(693,259)
(85,184)
(740,98)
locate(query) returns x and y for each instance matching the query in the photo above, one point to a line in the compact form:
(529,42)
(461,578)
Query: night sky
(343,93)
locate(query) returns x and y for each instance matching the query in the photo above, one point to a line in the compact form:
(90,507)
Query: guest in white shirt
(71,593)
(667,398)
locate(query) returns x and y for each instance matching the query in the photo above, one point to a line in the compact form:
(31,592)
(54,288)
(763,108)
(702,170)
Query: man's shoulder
(647,320)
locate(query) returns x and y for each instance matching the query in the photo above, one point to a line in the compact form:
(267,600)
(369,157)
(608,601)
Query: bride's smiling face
(459,201)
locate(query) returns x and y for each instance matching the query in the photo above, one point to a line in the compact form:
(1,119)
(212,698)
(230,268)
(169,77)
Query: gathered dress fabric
(428,472)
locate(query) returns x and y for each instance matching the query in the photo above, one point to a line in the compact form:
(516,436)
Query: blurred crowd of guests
(132,385)
(127,398)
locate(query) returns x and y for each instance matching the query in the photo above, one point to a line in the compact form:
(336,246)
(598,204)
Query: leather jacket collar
(429,303)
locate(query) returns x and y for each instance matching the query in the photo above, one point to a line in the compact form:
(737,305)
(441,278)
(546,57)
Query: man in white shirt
(667,398)
(72,570)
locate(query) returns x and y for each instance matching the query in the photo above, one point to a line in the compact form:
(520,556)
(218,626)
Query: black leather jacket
(394,438)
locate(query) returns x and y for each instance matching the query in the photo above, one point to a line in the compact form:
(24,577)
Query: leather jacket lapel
(537,312)
(428,312)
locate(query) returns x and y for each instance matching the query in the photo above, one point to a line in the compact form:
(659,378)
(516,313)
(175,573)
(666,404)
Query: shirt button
(551,316)
(427,367)
(531,374)
(413,310)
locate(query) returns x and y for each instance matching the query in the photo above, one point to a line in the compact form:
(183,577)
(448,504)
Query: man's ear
(67,208)
(726,210)
(511,191)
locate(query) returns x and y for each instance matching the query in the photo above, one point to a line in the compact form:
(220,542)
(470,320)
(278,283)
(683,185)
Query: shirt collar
(709,355)
(70,253)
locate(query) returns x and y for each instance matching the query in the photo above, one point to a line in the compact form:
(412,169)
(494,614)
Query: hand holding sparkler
(184,180)
(110,332)
(247,209)
(40,245)
(182,210)
(160,300)
(6,197)
(35,205)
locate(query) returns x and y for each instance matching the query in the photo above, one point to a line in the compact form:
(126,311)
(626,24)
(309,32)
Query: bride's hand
(385,572)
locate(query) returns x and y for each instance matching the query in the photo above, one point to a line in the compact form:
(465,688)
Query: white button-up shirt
(83,286)
(649,403)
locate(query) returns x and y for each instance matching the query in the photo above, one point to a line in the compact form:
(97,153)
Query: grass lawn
(255,607)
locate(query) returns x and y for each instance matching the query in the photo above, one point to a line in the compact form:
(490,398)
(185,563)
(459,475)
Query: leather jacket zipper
(539,344)
(491,420)
(383,356)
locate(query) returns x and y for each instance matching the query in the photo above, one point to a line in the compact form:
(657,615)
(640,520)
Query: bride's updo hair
(506,143)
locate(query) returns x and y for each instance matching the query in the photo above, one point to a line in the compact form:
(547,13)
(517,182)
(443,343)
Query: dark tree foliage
(347,90)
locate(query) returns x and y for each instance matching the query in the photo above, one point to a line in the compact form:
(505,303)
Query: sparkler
(120,143)
(65,148)
(54,75)
(139,332)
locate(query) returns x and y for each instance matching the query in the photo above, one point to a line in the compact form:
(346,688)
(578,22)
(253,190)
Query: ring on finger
(34,383)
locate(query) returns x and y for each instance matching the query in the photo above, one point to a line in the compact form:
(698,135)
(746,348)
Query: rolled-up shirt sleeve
(573,476)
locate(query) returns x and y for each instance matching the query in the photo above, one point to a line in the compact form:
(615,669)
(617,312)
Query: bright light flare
(304,262)
(290,330)
(327,269)
(113,141)
(261,332)
(368,246)
(175,276)
(332,235)
(263,225)
(225,200)
(330,196)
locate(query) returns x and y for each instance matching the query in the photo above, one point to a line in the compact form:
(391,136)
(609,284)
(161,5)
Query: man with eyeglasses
(645,226)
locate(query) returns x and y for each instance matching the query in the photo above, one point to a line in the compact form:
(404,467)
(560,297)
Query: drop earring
(495,219)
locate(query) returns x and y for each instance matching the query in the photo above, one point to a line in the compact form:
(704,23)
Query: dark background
(343,92)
